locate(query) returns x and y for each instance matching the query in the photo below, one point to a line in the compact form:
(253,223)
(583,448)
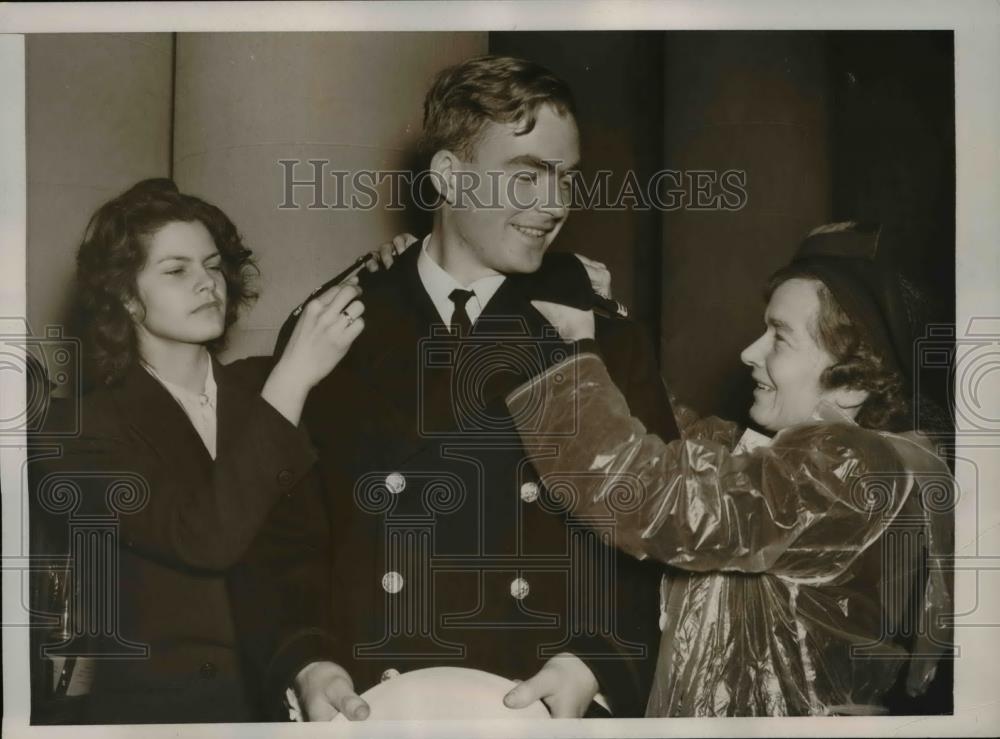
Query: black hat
(851,260)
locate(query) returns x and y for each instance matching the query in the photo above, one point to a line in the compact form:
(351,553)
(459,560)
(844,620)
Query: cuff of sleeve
(618,675)
(588,346)
(281,444)
(299,650)
(618,685)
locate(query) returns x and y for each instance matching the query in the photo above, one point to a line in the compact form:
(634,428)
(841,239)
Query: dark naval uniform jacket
(444,548)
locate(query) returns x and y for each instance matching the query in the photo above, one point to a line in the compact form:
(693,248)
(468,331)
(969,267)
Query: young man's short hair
(501,89)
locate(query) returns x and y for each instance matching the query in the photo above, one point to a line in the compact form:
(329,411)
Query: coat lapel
(412,345)
(378,385)
(510,312)
(231,405)
(155,416)
(400,375)
(416,350)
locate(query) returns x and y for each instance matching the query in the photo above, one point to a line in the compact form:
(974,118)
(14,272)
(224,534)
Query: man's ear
(443,165)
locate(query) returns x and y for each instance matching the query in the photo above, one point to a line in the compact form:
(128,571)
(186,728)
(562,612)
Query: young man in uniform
(444,548)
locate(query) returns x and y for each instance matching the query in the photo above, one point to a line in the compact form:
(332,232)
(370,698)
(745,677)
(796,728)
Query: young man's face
(513,196)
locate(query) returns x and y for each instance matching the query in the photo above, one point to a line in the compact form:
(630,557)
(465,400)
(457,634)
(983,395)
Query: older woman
(794,562)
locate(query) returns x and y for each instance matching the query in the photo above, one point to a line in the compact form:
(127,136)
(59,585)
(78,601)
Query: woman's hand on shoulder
(385,254)
(323,334)
(599,274)
(571,323)
(327,327)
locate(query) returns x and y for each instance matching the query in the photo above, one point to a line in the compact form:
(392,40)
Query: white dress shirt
(199,407)
(439,285)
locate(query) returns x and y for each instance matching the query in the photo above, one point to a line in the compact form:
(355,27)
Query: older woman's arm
(806,506)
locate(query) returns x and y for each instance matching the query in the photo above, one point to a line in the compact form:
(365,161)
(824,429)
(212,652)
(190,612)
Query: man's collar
(439,283)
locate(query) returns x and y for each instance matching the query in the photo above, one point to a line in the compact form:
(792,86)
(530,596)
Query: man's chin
(532,261)
(523,267)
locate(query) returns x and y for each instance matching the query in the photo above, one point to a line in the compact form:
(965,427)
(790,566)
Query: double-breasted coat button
(529,492)
(392,582)
(389,674)
(519,588)
(208,670)
(285,477)
(395,482)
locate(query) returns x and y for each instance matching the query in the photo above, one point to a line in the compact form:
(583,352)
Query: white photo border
(976,25)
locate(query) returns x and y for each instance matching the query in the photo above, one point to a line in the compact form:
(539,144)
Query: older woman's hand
(571,323)
(599,274)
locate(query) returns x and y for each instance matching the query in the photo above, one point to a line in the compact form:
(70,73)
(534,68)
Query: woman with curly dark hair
(114,252)
(797,578)
(204,452)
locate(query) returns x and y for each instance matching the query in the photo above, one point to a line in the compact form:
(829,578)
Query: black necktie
(460,323)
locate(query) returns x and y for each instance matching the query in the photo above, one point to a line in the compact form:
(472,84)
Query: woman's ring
(348,316)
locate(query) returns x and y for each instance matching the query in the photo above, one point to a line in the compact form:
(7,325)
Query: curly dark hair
(501,89)
(857,365)
(113,252)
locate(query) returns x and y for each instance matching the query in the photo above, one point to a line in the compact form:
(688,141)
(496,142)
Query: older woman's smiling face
(787,361)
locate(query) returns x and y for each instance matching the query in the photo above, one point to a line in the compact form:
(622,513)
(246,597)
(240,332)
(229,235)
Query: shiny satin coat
(792,570)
